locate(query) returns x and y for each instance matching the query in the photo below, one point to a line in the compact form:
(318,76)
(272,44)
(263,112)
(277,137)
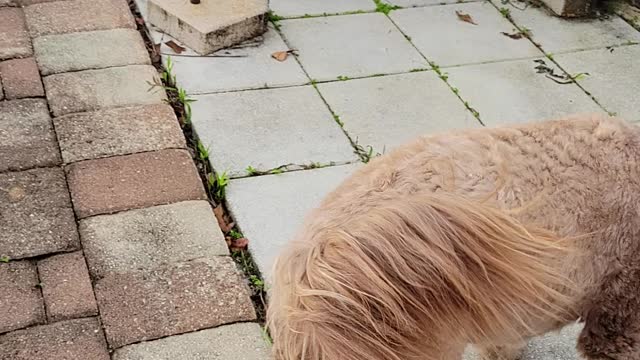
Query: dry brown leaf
(280,55)
(465,17)
(515,36)
(175,47)
(140,21)
(239,244)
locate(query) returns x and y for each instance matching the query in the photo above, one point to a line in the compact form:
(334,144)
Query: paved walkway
(108,247)
(107,239)
(362,80)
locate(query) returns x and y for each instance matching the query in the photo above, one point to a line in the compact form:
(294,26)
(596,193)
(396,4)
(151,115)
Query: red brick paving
(134,181)
(14,39)
(62,17)
(79,339)
(36,213)
(21,79)
(20,298)
(66,287)
(171,300)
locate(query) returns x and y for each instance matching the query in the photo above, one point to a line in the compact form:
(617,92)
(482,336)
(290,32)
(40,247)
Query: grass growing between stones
(215,182)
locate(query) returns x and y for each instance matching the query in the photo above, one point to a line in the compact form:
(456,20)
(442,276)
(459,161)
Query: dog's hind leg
(612,319)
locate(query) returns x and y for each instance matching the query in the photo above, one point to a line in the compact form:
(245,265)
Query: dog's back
(465,237)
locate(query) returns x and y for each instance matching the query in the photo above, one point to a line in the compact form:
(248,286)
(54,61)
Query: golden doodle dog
(485,237)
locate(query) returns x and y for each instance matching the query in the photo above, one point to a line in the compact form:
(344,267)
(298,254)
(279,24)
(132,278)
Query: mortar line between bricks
(46,323)
(39,285)
(108,107)
(551,58)
(436,68)
(353,143)
(92,68)
(65,164)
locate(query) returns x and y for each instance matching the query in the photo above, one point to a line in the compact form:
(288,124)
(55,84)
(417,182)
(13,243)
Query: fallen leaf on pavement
(465,17)
(239,244)
(175,47)
(140,21)
(225,225)
(515,36)
(280,55)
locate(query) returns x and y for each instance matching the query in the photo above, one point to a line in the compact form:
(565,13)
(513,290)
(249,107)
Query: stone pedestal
(212,24)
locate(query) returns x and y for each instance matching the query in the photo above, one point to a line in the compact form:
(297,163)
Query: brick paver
(89,50)
(36,213)
(134,181)
(20,299)
(97,89)
(62,17)
(119,131)
(145,239)
(171,300)
(21,79)
(66,287)
(14,39)
(66,340)
(27,139)
(242,341)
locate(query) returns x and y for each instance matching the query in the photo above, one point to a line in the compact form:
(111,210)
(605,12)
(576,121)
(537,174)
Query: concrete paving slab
(36,214)
(513,92)
(459,42)
(296,8)
(97,89)
(268,128)
(27,138)
(419,3)
(89,50)
(552,346)
(350,45)
(614,75)
(251,68)
(387,111)
(118,131)
(557,35)
(173,299)
(148,238)
(242,341)
(270,209)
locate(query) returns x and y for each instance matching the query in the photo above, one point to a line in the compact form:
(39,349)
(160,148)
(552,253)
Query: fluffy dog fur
(484,237)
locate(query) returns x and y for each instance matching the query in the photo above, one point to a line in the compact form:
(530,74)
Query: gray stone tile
(269,209)
(268,128)
(417,3)
(27,138)
(557,35)
(148,238)
(254,69)
(89,50)
(387,111)
(613,76)
(351,45)
(443,38)
(292,8)
(97,89)
(242,341)
(512,92)
(552,346)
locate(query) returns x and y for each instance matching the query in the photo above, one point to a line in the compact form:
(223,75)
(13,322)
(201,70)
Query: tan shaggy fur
(484,237)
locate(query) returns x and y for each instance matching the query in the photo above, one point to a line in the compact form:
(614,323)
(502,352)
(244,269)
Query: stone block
(118,131)
(174,299)
(136,181)
(212,24)
(27,138)
(36,214)
(66,287)
(89,50)
(21,78)
(14,38)
(20,299)
(98,89)
(145,239)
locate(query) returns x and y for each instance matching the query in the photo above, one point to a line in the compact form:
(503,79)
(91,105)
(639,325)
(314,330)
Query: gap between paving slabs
(214,182)
(367,152)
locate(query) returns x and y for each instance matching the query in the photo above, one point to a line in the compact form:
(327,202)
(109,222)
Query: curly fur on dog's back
(452,239)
